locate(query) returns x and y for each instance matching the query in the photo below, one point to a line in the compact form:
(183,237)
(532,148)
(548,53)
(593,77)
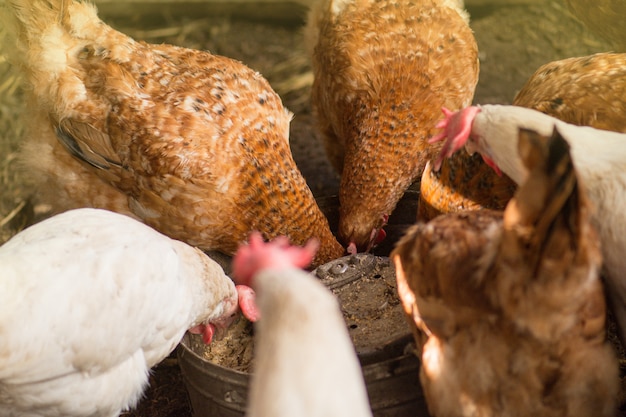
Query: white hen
(305,363)
(91,300)
(599,157)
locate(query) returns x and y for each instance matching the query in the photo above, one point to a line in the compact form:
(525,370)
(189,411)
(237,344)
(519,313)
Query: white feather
(305,365)
(91,300)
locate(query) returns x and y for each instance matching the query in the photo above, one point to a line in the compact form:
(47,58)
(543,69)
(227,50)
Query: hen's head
(361,235)
(247,262)
(457,132)
(277,254)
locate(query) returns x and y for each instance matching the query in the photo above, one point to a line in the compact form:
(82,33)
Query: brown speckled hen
(584,91)
(383,70)
(509,311)
(194,144)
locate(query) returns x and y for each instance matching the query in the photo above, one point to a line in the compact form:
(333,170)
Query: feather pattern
(383,70)
(194,144)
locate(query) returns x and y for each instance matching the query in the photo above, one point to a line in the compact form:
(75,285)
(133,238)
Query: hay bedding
(514,40)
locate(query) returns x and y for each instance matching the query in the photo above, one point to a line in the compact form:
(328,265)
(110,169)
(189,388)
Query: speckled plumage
(509,310)
(464,182)
(383,70)
(585,91)
(194,144)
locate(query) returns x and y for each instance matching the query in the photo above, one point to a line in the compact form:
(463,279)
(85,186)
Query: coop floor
(514,40)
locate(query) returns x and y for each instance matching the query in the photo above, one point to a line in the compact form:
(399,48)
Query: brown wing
(442,267)
(91,146)
(199,142)
(549,250)
(585,91)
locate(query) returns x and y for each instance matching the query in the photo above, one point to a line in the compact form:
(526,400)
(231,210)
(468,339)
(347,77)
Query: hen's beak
(377,235)
(471,147)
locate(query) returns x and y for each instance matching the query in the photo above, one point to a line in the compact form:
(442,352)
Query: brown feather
(464,182)
(585,91)
(197,144)
(383,70)
(509,311)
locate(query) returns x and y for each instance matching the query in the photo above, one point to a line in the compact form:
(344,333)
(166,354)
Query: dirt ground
(514,40)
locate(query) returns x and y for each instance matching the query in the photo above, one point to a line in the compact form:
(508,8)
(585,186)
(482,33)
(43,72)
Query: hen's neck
(302,338)
(211,291)
(594,151)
